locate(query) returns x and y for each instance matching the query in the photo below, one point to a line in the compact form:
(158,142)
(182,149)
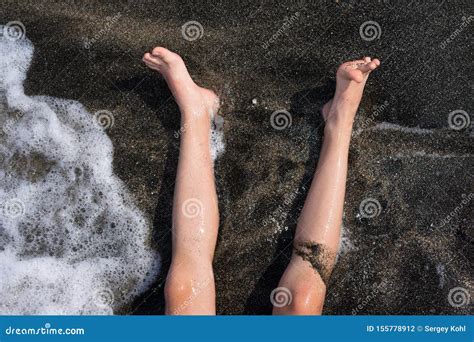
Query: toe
(147,57)
(376,61)
(153,66)
(152,59)
(372,65)
(160,52)
(166,55)
(367,67)
(367,59)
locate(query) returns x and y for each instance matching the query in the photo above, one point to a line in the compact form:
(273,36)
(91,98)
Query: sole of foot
(192,99)
(350,82)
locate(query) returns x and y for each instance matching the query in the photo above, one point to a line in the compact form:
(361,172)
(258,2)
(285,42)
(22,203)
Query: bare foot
(350,82)
(192,100)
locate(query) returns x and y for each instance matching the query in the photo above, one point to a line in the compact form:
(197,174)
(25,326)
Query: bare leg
(190,283)
(317,235)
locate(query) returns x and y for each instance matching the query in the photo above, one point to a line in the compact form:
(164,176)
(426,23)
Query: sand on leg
(317,236)
(190,288)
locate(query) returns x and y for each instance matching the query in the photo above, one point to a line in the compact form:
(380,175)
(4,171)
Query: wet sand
(262,57)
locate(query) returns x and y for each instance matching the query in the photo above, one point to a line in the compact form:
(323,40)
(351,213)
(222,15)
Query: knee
(178,287)
(182,287)
(306,299)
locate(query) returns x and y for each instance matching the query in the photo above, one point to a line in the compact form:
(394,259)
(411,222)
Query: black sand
(404,260)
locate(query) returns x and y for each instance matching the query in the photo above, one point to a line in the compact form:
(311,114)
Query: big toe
(165,55)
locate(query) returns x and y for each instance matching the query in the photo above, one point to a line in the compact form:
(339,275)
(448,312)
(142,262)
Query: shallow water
(71,239)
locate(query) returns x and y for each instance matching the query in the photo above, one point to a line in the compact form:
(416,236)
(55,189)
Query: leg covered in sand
(317,237)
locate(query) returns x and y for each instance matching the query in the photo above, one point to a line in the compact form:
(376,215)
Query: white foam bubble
(217,145)
(71,239)
(441,270)
(394,127)
(424,154)
(345,243)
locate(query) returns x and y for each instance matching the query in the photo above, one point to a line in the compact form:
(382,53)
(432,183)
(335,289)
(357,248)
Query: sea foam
(71,239)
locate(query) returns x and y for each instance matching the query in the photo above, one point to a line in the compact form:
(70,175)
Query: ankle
(195,127)
(340,119)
